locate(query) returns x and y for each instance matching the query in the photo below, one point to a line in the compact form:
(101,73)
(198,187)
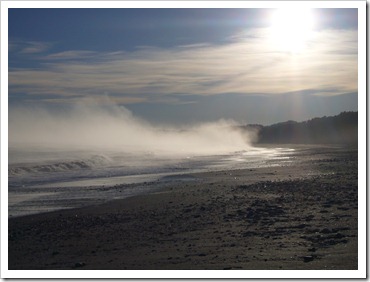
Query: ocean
(48,180)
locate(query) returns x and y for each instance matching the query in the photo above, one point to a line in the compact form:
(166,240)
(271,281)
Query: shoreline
(44,197)
(302,216)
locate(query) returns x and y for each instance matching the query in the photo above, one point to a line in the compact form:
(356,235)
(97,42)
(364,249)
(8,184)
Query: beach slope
(301,215)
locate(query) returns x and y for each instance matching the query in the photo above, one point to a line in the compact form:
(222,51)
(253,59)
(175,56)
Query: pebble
(80,264)
(307,258)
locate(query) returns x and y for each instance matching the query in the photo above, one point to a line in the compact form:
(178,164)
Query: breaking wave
(61,166)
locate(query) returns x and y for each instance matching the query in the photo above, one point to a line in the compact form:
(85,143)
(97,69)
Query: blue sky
(183,65)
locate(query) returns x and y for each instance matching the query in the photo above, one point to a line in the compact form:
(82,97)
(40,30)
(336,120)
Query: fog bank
(108,127)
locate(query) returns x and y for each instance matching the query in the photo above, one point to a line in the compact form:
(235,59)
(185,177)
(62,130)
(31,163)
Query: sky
(185,66)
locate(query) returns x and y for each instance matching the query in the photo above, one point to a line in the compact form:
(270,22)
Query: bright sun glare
(292,28)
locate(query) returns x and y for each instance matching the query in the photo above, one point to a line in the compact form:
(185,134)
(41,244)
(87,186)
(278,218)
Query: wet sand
(302,215)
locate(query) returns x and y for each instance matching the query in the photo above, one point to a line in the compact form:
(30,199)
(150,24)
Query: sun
(292,28)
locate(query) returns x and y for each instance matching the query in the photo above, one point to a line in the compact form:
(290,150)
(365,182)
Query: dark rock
(339,236)
(326,231)
(300,226)
(79,264)
(249,233)
(308,258)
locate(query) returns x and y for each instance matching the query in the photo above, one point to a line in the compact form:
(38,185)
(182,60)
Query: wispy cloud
(29,47)
(248,65)
(70,55)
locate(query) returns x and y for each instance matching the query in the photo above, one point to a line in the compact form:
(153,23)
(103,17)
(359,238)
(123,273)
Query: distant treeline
(342,128)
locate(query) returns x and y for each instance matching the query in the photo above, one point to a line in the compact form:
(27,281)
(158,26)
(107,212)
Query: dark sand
(299,216)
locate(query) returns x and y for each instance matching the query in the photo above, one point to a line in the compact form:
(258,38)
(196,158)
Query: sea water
(48,180)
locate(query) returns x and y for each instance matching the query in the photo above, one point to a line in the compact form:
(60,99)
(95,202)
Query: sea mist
(109,127)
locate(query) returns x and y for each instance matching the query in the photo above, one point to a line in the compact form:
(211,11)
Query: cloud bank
(249,64)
